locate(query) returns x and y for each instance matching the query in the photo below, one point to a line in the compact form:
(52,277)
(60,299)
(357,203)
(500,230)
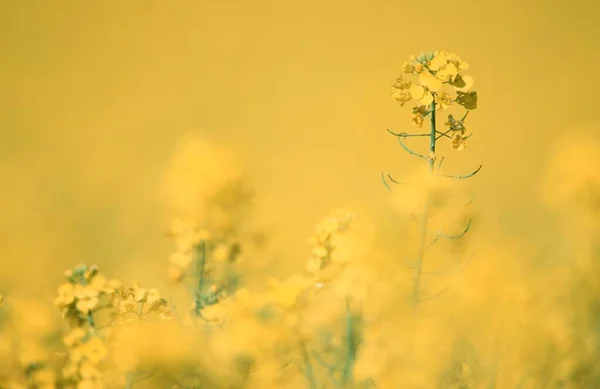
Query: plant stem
(351,344)
(129,380)
(308,369)
(425,219)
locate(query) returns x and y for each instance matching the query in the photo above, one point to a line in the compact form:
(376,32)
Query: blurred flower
(94,350)
(401,90)
(74,337)
(419,113)
(87,298)
(66,295)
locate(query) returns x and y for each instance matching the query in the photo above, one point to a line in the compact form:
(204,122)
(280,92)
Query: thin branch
(411,151)
(470,201)
(394,181)
(466,175)
(444,290)
(404,134)
(452,237)
(385,183)
(308,369)
(443,134)
(440,163)
(391,179)
(330,368)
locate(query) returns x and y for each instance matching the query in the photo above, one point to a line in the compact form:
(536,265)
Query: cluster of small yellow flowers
(187,239)
(325,241)
(207,258)
(86,352)
(79,299)
(26,358)
(434,70)
(80,295)
(134,303)
(83,299)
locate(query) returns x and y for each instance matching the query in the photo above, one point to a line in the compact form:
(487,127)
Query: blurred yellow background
(95,95)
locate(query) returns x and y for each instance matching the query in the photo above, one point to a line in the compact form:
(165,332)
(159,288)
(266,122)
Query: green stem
(308,369)
(129,380)
(201,266)
(351,342)
(425,219)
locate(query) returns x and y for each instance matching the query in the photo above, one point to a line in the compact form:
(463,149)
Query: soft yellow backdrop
(95,94)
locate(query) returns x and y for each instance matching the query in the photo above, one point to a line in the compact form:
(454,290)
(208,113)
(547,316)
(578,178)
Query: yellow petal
(447,73)
(417,121)
(408,67)
(464,84)
(417,92)
(426,99)
(430,82)
(438,61)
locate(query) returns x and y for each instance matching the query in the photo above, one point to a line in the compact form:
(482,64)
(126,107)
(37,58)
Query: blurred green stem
(425,220)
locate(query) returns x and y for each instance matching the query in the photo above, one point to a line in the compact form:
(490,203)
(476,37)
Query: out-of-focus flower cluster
(433,71)
(27,344)
(94,308)
(81,294)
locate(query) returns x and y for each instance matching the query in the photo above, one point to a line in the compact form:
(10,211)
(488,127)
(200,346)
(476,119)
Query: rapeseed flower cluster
(434,71)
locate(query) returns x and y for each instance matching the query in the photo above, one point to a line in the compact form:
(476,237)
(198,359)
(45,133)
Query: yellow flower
(286,293)
(87,370)
(90,384)
(444,100)
(181,259)
(313,265)
(428,84)
(126,304)
(319,252)
(69,371)
(75,354)
(401,90)
(188,240)
(91,272)
(44,376)
(66,295)
(408,67)
(327,227)
(444,69)
(114,285)
(99,283)
(87,298)
(153,296)
(456,61)
(94,350)
(214,313)
(418,116)
(221,252)
(458,140)
(438,62)
(463,83)
(74,336)
(175,273)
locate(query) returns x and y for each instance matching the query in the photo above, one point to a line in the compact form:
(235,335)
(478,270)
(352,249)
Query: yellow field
(204,194)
